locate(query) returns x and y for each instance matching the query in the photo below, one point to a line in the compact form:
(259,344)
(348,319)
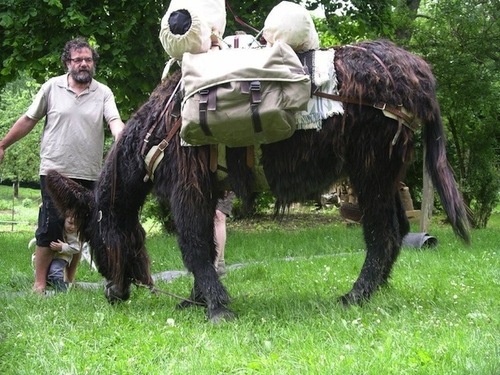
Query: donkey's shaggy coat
(364,145)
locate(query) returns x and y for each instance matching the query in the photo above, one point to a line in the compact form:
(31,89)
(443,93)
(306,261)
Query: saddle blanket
(324,77)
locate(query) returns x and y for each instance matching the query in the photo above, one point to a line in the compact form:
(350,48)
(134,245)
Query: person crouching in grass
(64,251)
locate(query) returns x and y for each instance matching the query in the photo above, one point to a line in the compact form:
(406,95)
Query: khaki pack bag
(242,97)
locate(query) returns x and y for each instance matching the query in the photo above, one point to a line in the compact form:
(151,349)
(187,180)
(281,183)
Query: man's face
(81,65)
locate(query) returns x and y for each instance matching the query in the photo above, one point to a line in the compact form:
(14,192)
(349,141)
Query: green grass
(438,316)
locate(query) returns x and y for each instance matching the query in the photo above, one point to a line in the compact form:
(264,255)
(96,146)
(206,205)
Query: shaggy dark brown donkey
(366,146)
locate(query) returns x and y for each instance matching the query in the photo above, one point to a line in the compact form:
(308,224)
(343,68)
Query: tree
(251,12)
(358,19)
(33,33)
(467,66)
(454,35)
(22,160)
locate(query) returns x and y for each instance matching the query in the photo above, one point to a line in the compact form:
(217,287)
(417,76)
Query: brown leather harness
(399,113)
(155,153)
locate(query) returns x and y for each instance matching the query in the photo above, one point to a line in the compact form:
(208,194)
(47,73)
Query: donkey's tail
(442,176)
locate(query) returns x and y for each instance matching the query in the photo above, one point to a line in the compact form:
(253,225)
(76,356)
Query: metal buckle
(255,86)
(380,106)
(255,92)
(204,96)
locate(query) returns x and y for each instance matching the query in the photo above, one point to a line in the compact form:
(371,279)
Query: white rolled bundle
(188,26)
(292,24)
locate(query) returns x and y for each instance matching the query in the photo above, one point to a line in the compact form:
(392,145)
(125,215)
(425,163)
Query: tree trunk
(15,187)
(407,11)
(427,199)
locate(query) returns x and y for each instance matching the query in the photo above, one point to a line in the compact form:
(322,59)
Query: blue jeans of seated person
(56,274)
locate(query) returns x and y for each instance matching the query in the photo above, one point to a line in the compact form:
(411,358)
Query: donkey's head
(69,195)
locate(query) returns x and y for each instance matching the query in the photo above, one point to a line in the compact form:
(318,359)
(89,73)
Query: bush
(5,205)
(27,203)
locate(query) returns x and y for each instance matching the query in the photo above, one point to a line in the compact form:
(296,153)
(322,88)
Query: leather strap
(250,156)
(203,111)
(214,156)
(155,123)
(400,113)
(161,148)
(152,129)
(255,100)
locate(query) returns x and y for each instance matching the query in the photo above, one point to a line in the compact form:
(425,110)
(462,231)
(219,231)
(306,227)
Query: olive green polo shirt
(73,137)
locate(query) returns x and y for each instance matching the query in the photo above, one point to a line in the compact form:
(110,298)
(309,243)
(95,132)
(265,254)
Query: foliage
(153,211)
(33,34)
(358,19)
(454,35)
(250,12)
(468,72)
(326,37)
(22,159)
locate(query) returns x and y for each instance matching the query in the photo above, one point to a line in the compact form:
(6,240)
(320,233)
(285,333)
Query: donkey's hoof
(352,299)
(114,295)
(194,300)
(185,304)
(191,303)
(221,314)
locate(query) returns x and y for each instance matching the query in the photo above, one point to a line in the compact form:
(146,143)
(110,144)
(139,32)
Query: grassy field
(18,214)
(438,316)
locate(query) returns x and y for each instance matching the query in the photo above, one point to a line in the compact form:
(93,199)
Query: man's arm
(20,128)
(116,126)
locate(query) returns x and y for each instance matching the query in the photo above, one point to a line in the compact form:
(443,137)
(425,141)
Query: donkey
(365,145)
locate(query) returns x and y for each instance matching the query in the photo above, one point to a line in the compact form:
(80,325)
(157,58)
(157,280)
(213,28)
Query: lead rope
(155,290)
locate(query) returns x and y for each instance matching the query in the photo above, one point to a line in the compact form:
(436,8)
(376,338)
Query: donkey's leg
(195,227)
(404,228)
(207,289)
(382,234)
(140,268)
(195,298)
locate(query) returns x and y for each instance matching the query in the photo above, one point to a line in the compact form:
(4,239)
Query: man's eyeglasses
(79,60)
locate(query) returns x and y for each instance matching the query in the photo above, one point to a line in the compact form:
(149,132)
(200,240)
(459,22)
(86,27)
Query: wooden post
(13,208)
(427,199)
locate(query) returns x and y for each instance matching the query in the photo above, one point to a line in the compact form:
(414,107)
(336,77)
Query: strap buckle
(382,107)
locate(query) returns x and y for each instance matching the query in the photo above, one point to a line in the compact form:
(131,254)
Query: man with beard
(74,106)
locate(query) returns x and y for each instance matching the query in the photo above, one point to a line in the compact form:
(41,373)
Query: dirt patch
(290,221)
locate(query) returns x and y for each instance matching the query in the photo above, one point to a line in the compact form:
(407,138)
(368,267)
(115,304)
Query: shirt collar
(63,83)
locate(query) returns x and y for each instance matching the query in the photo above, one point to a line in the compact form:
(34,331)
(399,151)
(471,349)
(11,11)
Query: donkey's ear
(69,195)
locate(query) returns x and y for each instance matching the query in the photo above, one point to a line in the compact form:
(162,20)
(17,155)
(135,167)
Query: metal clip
(203,96)
(255,92)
